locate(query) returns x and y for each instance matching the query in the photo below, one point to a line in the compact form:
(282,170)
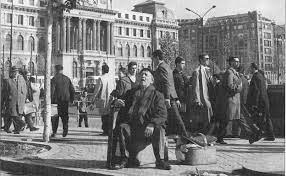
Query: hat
(59,67)
(14,68)
(233,59)
(149,70)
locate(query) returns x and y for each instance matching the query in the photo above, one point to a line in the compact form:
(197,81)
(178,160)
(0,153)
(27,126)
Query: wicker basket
(200,156)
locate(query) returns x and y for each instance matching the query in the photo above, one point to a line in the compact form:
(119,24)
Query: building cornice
(24,8)
(132,23)
(95,9)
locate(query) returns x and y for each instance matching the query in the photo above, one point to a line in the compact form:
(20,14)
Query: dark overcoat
(257,94)
(164,81)
(181,84)
(62,89)
(15,96)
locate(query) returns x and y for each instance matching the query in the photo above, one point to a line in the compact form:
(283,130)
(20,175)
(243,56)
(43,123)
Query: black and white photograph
(142,87)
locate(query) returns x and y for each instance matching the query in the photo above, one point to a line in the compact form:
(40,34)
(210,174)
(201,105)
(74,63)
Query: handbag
(30,108)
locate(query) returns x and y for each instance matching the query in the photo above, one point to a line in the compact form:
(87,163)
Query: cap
(14,68)
(59,67)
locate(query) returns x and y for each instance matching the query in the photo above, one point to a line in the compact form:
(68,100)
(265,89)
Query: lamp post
(11,31)
(202,21)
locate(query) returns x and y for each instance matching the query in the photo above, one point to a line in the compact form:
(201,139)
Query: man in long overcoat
(61,94)
(164,83)
(257,100)
(147,116)
(16,93)
(201,112)
(232,86)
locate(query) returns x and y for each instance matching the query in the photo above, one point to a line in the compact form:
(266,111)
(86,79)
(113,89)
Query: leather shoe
(133,163)
(65,133)
(255,137)
(269,139)
(53,135)
(8,131)
(161,164)
(34,129)
(16,132)
(221,141)
(121,165)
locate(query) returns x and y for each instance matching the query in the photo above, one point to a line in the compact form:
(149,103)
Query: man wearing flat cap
(147,116)
(61,94)
(16,91)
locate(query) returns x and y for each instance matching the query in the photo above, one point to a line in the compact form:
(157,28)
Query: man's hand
(149,130)
(168,103)
(178,103)
(119,103)
(199,104)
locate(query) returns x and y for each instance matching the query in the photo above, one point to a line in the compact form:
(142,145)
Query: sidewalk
(84,151)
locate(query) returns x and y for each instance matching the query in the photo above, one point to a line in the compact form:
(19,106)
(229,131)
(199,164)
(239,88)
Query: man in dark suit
(181,85)
(164,82)
(62,93)
(257,101)
(147,115)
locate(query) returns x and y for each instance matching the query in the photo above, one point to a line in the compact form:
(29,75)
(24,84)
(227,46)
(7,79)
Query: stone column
(111,38)
(98,36)
(94,35)
(68,34)
(108,38)
(58,36)
(84,34)
(79,45)
(64,34)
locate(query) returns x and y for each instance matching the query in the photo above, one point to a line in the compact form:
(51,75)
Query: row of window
(134,51)
(134,17)
(20,20)
(29,2)
(20,44)
(134,32)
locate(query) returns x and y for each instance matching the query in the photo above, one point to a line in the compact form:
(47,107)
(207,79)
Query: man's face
(181,66)
(252,70)
(85,94)
(146,78)
(205,60)
(13,74)
(133,69)
(235,63)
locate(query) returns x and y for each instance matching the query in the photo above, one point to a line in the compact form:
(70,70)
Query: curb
(251,172)
(41,169)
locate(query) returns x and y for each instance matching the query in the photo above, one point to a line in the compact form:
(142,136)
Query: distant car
(92,83)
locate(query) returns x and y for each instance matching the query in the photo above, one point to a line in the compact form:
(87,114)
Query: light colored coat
(232,85)
(200,94)
(16,93)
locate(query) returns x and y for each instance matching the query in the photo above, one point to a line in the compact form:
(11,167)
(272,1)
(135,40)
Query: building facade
(85,37)
(249,36)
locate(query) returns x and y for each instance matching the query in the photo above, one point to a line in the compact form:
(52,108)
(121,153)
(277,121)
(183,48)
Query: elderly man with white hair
(147,116)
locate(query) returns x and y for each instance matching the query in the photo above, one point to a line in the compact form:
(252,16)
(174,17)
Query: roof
(148,2)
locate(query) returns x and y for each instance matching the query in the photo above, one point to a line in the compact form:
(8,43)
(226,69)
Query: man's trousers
(64,114)
(132,140)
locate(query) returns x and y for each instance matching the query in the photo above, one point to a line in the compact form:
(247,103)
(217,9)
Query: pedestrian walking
(14,98)
(164,83)
(258,102)
(102,97)
(62,93)
(82,109)
(201,112)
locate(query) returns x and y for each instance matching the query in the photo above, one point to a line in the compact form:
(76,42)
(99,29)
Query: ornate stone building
(27,18)
(86,37)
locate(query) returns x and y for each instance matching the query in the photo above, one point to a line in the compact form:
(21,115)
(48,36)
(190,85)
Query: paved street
(85,149)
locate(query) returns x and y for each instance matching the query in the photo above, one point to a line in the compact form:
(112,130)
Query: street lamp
(202,22)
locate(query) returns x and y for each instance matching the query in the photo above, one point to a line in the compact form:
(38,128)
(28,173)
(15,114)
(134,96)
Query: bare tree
(169,47)
(55,9)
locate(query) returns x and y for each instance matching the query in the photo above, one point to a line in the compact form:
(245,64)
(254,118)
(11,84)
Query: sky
(272,9)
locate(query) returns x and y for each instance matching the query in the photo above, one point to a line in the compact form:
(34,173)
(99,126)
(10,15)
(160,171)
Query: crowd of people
(154,105)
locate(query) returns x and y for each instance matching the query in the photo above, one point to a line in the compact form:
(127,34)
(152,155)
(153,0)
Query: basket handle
(205,138)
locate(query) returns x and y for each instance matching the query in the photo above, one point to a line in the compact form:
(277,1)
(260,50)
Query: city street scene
(142,87)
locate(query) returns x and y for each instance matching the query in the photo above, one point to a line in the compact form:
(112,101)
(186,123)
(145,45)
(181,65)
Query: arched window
(148,51)
(74,70)
(142,51)
(42,44)
(127,50)
(7,42)
(20,42)
(31,68)
(135,50)
(119,49)
(31,43)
